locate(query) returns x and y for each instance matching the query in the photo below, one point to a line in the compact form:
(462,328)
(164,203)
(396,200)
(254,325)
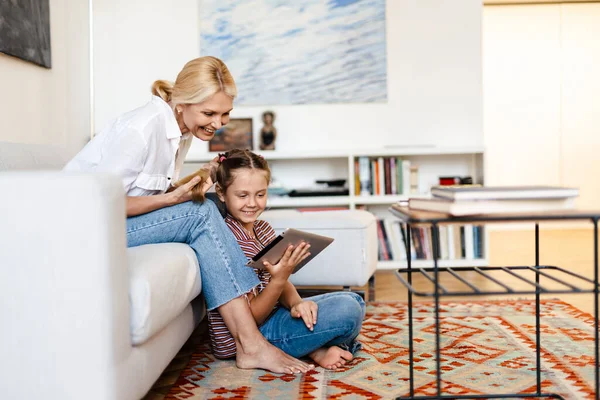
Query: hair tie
(222,158)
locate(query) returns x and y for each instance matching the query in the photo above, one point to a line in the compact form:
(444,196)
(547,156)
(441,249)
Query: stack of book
(462,200)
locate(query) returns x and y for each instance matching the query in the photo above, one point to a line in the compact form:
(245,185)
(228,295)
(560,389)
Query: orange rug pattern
(486,347)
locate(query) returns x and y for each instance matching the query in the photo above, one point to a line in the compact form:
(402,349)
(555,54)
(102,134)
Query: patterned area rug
(486,347)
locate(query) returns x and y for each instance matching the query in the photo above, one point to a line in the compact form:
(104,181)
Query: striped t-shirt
(222,342)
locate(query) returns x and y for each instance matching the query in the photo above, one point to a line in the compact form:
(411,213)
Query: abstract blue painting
(301,51)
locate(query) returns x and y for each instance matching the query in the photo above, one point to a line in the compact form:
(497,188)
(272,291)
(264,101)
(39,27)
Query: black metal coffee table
(434,274)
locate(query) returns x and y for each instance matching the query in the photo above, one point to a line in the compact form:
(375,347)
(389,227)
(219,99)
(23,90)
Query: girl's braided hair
(236,159)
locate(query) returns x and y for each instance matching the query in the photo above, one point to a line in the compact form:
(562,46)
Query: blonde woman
(147,147)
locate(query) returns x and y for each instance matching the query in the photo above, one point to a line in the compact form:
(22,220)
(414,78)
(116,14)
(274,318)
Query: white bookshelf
(383,199)
(194,157)
(317,201)
(301,169)
(391,265)
(296,170)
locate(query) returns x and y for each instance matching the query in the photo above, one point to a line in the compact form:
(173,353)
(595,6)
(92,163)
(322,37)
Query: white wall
(521,67)
(580,116)
(135,43)
(434,74)
(50,106)
(542,97)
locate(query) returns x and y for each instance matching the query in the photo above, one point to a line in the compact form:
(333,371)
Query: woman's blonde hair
(199,79)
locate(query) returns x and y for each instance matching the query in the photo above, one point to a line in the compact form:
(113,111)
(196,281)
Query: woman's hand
(292,257)
(307,310)
(212,167)
(183,193)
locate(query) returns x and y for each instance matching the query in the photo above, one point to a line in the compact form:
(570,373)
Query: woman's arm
(137,205)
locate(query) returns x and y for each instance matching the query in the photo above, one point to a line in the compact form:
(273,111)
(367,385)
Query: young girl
(322,327)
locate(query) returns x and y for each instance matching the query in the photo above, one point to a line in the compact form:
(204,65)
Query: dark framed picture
(237,134)
(25,30)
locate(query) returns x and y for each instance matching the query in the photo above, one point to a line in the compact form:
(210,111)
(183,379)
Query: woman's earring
(178,110)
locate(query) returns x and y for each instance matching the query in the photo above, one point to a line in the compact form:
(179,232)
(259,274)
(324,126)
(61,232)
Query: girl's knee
(353,308)
(358,300)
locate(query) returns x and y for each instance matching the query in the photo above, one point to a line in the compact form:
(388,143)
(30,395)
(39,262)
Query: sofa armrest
(64,285)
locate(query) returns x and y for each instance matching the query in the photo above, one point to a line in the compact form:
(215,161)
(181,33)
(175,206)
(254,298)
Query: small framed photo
(237,134)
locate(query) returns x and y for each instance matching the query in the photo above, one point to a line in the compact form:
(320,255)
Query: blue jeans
(339,319)
(222,262)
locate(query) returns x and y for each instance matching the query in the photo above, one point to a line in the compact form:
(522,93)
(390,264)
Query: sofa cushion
(164,278)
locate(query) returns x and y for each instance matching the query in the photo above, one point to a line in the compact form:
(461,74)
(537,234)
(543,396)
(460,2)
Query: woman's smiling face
(203,119)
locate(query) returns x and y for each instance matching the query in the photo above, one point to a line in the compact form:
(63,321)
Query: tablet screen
(268,247)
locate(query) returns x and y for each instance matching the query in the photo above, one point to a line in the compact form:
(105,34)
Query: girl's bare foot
(266,356)
(331,358)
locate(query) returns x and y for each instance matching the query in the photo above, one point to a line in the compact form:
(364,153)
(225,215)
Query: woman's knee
(201,212)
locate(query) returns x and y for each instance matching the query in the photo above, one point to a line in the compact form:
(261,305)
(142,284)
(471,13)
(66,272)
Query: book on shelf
(474,207)
(478,192)
(456,241)
(379,176)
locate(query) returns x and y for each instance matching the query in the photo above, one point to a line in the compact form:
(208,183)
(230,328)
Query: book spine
(443,237)
(356,177)
(450,243)
(462,241)
(373,177)
(388,178)
(381,172)
(414,179)
(393,175)
(386,241)
(469,242)
(406,177)
(380,242)
(365,176)
(397,229)
(399,189)
(393,240)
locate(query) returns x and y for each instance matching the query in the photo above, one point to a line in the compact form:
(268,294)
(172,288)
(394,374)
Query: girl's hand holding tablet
(291,258)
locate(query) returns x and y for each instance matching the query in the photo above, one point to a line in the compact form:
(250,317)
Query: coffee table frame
(433,220)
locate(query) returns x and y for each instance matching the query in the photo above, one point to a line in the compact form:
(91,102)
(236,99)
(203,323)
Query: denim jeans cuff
(353,346)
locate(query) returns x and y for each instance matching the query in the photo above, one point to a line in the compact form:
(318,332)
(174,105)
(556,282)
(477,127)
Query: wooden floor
(570,249)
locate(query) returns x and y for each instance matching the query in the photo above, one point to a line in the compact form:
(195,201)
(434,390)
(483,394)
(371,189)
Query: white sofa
(84,317)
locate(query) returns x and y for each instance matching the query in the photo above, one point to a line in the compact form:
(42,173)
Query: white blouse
(144,146)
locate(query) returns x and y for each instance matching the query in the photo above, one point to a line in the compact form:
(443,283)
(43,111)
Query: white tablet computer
(275,250)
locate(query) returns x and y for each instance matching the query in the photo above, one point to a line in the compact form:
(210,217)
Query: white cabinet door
(581,101)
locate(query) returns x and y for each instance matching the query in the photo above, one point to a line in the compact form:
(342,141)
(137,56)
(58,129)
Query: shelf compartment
(475,289)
